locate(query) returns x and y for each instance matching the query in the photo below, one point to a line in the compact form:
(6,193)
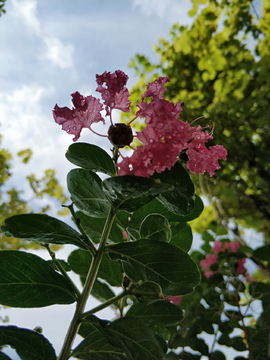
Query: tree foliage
(219,67)
(11,198)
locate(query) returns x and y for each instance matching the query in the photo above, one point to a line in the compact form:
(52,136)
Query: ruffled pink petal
(115,95)
(86,112)
(156,88)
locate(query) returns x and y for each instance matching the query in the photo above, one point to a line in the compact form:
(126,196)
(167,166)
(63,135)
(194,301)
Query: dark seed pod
(126,282)
(120,135)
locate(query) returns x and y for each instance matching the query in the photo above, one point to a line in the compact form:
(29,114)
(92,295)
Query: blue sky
(50,49)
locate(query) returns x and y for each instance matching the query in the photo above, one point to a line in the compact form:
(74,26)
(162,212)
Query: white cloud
(60,54)
(56,51)
(25,124)
(148,7)
(27,11)
(163,8)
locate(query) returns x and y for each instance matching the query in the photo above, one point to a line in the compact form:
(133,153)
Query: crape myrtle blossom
(164,137)
(212,264)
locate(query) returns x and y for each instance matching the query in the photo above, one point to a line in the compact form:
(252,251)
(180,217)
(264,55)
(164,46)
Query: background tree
(219,67)
(11,199)
(2,9)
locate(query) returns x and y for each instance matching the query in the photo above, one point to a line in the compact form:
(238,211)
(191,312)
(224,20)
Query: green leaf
(110,271)
(97,345)
(28,344)
(4,356)
(155,207)
(155,227)
(262,253)
(138,341)
(86,193)
(94,227)
(91,157)
(181,236)
(258,289)
(159,262)
(147,292)
(179,199)
(238,344)
(130,192)
(41,228)
(159,312)
(28,281)
(218,355)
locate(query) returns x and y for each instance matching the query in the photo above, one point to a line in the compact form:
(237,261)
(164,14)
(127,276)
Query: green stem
(91,277)
(63,271)
(106,304)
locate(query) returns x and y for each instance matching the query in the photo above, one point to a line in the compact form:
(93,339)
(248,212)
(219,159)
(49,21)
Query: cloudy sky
(50,49)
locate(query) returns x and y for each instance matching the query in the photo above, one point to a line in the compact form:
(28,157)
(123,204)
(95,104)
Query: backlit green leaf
(155,227)
(28,344)
(28,281)
(181,236)
(138,341)
(41,228)
(159,312)
(85,189)
(160,262)
(97,345)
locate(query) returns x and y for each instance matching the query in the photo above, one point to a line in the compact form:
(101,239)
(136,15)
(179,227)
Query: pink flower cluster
(207,262)
(230,247)
(164,137)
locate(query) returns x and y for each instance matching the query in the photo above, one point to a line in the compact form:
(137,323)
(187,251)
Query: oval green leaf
(28,281)
(139,342)
(28,344)
(130,192)
(91,157)
(159,262)
(181,236)
(179,199)
(98,345)
(157,207)
(159,312)
(155,227)
(43,229)
(86,193)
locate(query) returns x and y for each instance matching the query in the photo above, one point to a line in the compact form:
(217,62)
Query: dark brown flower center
(120,135)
